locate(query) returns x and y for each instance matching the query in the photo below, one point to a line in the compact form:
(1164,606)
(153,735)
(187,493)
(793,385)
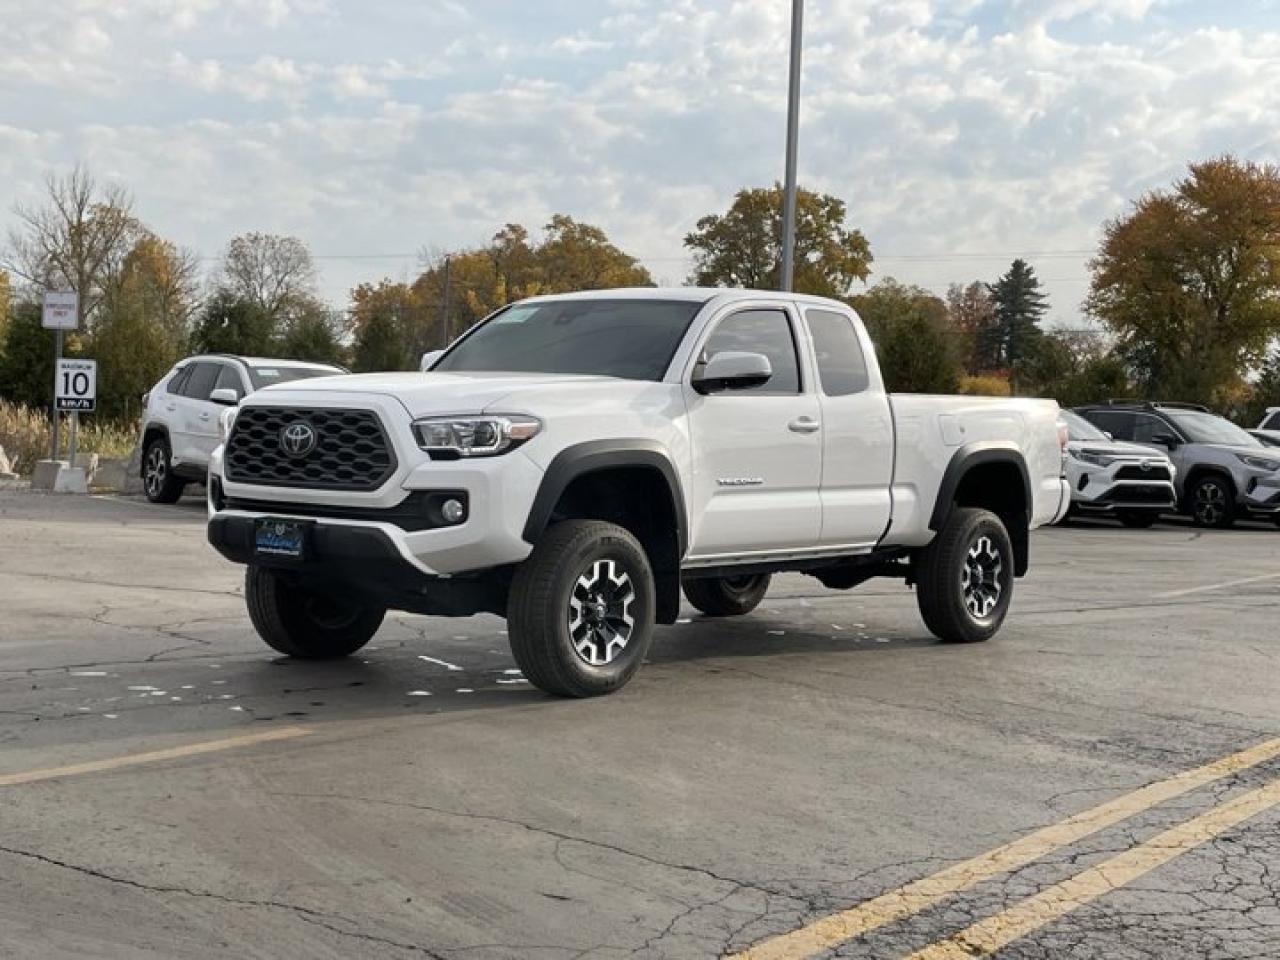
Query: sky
(961,133)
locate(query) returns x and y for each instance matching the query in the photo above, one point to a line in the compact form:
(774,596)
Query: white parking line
(444,663)
(1216,586)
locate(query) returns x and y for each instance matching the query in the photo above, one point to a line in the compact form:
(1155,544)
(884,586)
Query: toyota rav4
(574,461)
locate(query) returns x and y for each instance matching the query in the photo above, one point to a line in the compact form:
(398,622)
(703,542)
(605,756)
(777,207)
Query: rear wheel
(727,596)
(1138,520)
(304,623)
(965,577)
(1212,502)
(158,479)
(581,609)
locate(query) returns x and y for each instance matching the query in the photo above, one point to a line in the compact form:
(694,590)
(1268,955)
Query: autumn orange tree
(1189,280)
(743,246)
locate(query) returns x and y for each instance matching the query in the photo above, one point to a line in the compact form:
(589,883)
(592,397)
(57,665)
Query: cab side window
(1114,422)
(760,331)
(1146,427)
(842,369)
(229,379)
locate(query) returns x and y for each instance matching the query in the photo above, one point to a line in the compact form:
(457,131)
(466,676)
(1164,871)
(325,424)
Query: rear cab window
(842,367)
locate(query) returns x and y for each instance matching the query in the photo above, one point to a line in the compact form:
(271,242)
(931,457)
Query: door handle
(204,416)
(171,407)
(804,425)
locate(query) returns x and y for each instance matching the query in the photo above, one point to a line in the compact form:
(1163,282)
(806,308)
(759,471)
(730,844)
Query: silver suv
(181,416)
(1223,472)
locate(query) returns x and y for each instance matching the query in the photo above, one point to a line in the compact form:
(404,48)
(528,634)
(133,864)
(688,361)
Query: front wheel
(581,609)
(727,596)
(965,577)
(1137,520)
(1212,502)
(304,623)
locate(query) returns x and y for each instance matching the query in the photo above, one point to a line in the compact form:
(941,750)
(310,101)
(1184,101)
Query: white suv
(180,420)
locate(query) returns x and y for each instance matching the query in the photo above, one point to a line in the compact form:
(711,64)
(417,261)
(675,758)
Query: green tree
(1020,305)
(26,363)
(229,324)
(314,334)
(918,349)
(1189,280)
(381,345)
(743,246)
(1265,392)
(1072,368)
(6,295)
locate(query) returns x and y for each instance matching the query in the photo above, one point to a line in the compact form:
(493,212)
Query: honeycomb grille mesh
(351,451)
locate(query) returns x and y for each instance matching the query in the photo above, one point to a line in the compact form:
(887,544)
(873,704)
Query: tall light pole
(787,279)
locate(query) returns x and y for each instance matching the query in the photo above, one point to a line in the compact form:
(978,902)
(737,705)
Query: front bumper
(1110,489)
(1261,494)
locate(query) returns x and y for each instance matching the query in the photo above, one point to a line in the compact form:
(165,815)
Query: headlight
(226,420)
(1097,459)
(474,436)
(1259,463)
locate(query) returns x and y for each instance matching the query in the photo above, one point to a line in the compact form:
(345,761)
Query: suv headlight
(479,436)
(1097,459)
(1259,463)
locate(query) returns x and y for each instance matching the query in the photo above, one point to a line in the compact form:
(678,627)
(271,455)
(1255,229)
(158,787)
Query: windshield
(629,339)
(265,376)
(1202,427)
(1078,428)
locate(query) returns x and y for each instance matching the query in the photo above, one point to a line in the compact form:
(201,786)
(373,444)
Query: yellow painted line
(988,936)
(921,894)
(153,756)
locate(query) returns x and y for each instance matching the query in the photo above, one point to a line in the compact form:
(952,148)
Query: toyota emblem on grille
(1145,466)
(298,439)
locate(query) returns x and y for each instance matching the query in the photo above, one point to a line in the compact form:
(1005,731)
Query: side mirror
(1107,434)
(227,396)
(429,358)
(1166,440)
(732,370)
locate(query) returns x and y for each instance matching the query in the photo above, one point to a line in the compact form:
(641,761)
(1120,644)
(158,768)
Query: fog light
(453,511)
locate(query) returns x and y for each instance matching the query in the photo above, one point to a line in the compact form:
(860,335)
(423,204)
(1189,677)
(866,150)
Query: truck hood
(429,394)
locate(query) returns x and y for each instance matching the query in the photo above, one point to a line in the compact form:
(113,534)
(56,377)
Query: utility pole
(787,279)
(444,314)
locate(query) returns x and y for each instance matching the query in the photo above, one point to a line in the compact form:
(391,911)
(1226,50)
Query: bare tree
(75,240)
(272,272)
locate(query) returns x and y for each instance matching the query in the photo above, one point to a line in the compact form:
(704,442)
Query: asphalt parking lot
(818,779)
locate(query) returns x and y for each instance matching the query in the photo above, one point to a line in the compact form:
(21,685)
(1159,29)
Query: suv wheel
(307,624)
(581,609)
(965,577)
(727,596)
(158,479)
(1138,520)
(1212,502)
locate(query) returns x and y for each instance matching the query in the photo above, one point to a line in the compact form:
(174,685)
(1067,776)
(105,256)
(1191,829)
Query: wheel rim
(154,476)
(738,586)
(980,578)
(1211,503)
(600,618)
(330,613)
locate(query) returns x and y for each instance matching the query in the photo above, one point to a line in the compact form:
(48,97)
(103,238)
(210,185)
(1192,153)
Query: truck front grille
(309,447)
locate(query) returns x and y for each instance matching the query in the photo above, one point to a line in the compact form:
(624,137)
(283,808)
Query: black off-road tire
(305,624)
(1138,520)
(1211,501)
(159,482)
(727,596)
(545,627)
(971,538)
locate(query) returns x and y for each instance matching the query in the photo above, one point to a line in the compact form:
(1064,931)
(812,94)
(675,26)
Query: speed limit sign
(76,385)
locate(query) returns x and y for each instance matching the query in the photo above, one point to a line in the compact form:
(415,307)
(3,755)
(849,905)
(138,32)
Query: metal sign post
(61,312)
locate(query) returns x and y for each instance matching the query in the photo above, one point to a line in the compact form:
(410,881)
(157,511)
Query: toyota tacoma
(574,463)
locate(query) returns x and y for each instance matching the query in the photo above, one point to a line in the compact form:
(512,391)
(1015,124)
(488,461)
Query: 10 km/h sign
(76,385)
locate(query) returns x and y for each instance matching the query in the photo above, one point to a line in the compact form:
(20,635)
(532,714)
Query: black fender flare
(594,455)
(977,454)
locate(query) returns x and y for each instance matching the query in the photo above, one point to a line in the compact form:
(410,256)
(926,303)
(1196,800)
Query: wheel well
(639,499)
(1000,487)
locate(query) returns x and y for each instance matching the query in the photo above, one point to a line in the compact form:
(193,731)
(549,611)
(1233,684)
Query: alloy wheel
(980,578)
(1210,503)
(600,618)
(156,470)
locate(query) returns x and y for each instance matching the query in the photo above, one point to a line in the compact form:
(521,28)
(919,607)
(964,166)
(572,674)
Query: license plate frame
(282,539)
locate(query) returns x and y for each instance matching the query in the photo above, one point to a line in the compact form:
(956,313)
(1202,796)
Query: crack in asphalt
(316,917)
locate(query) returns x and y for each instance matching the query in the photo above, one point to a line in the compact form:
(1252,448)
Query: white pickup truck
(573,462)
